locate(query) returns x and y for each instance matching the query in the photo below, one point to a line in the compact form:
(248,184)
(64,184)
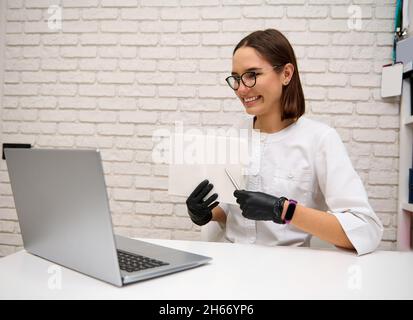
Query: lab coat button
(290,176)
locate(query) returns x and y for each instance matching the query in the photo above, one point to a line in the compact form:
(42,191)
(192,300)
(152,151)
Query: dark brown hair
(274,47)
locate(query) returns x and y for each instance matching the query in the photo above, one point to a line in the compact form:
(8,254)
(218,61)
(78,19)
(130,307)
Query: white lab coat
(306,161)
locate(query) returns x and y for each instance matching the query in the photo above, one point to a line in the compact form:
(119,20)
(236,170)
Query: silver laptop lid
(62,206)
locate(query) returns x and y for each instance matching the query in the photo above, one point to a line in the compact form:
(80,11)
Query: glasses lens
(232,82)
(249,78)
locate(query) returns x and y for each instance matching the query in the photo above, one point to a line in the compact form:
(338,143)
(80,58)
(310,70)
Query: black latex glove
(260,205)
(199,210)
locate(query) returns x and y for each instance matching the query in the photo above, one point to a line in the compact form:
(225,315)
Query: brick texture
(118,70)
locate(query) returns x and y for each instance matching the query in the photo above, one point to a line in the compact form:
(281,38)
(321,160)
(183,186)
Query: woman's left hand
(260,205)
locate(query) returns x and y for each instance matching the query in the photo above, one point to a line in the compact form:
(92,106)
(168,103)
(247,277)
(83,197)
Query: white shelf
(408,207)
(405,213)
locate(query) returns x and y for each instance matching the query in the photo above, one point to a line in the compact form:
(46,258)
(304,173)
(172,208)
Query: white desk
(236,272)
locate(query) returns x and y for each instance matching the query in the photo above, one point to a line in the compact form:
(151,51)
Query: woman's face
(265,96)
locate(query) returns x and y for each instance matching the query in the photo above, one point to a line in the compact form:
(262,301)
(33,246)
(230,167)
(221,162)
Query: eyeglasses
(249,79)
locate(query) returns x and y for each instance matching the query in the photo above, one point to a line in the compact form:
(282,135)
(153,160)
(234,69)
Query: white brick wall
(117,70)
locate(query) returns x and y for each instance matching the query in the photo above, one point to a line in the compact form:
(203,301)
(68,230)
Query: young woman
(305,184)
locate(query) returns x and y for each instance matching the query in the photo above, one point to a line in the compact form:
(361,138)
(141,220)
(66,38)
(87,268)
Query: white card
(193,159)
(391,80)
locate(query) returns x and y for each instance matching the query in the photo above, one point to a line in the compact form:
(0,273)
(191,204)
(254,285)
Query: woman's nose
(242,89)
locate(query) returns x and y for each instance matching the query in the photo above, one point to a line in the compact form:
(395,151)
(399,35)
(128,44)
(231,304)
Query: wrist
(278,210)
(219,216)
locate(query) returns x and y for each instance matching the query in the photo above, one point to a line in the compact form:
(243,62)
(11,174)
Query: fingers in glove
(212,206)
(242,206)
(199,188)
(210,200)
(240,194)
(245,211)
(243,202)
(200,197)
(239,201)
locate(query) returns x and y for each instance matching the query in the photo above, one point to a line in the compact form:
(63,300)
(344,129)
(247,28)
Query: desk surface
(237,271)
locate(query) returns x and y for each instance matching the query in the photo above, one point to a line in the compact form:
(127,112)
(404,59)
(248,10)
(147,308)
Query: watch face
(290,210)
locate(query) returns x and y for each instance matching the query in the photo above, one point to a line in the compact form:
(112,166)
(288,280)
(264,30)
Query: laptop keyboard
(133,262)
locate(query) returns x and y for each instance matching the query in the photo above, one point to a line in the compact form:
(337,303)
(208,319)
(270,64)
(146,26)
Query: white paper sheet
(194,158)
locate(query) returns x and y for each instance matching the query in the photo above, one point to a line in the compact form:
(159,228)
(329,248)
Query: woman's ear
(287,73)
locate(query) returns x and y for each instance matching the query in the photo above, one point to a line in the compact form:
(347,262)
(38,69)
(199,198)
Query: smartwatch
(290,211)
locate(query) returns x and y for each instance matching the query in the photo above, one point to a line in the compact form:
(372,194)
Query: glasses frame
(238,79)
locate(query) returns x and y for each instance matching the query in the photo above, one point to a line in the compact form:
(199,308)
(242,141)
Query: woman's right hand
(200,211)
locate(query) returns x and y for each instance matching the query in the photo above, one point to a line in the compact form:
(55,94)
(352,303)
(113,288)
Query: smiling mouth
(251,100)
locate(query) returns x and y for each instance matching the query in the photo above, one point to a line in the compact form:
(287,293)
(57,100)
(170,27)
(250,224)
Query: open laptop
(63,210)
